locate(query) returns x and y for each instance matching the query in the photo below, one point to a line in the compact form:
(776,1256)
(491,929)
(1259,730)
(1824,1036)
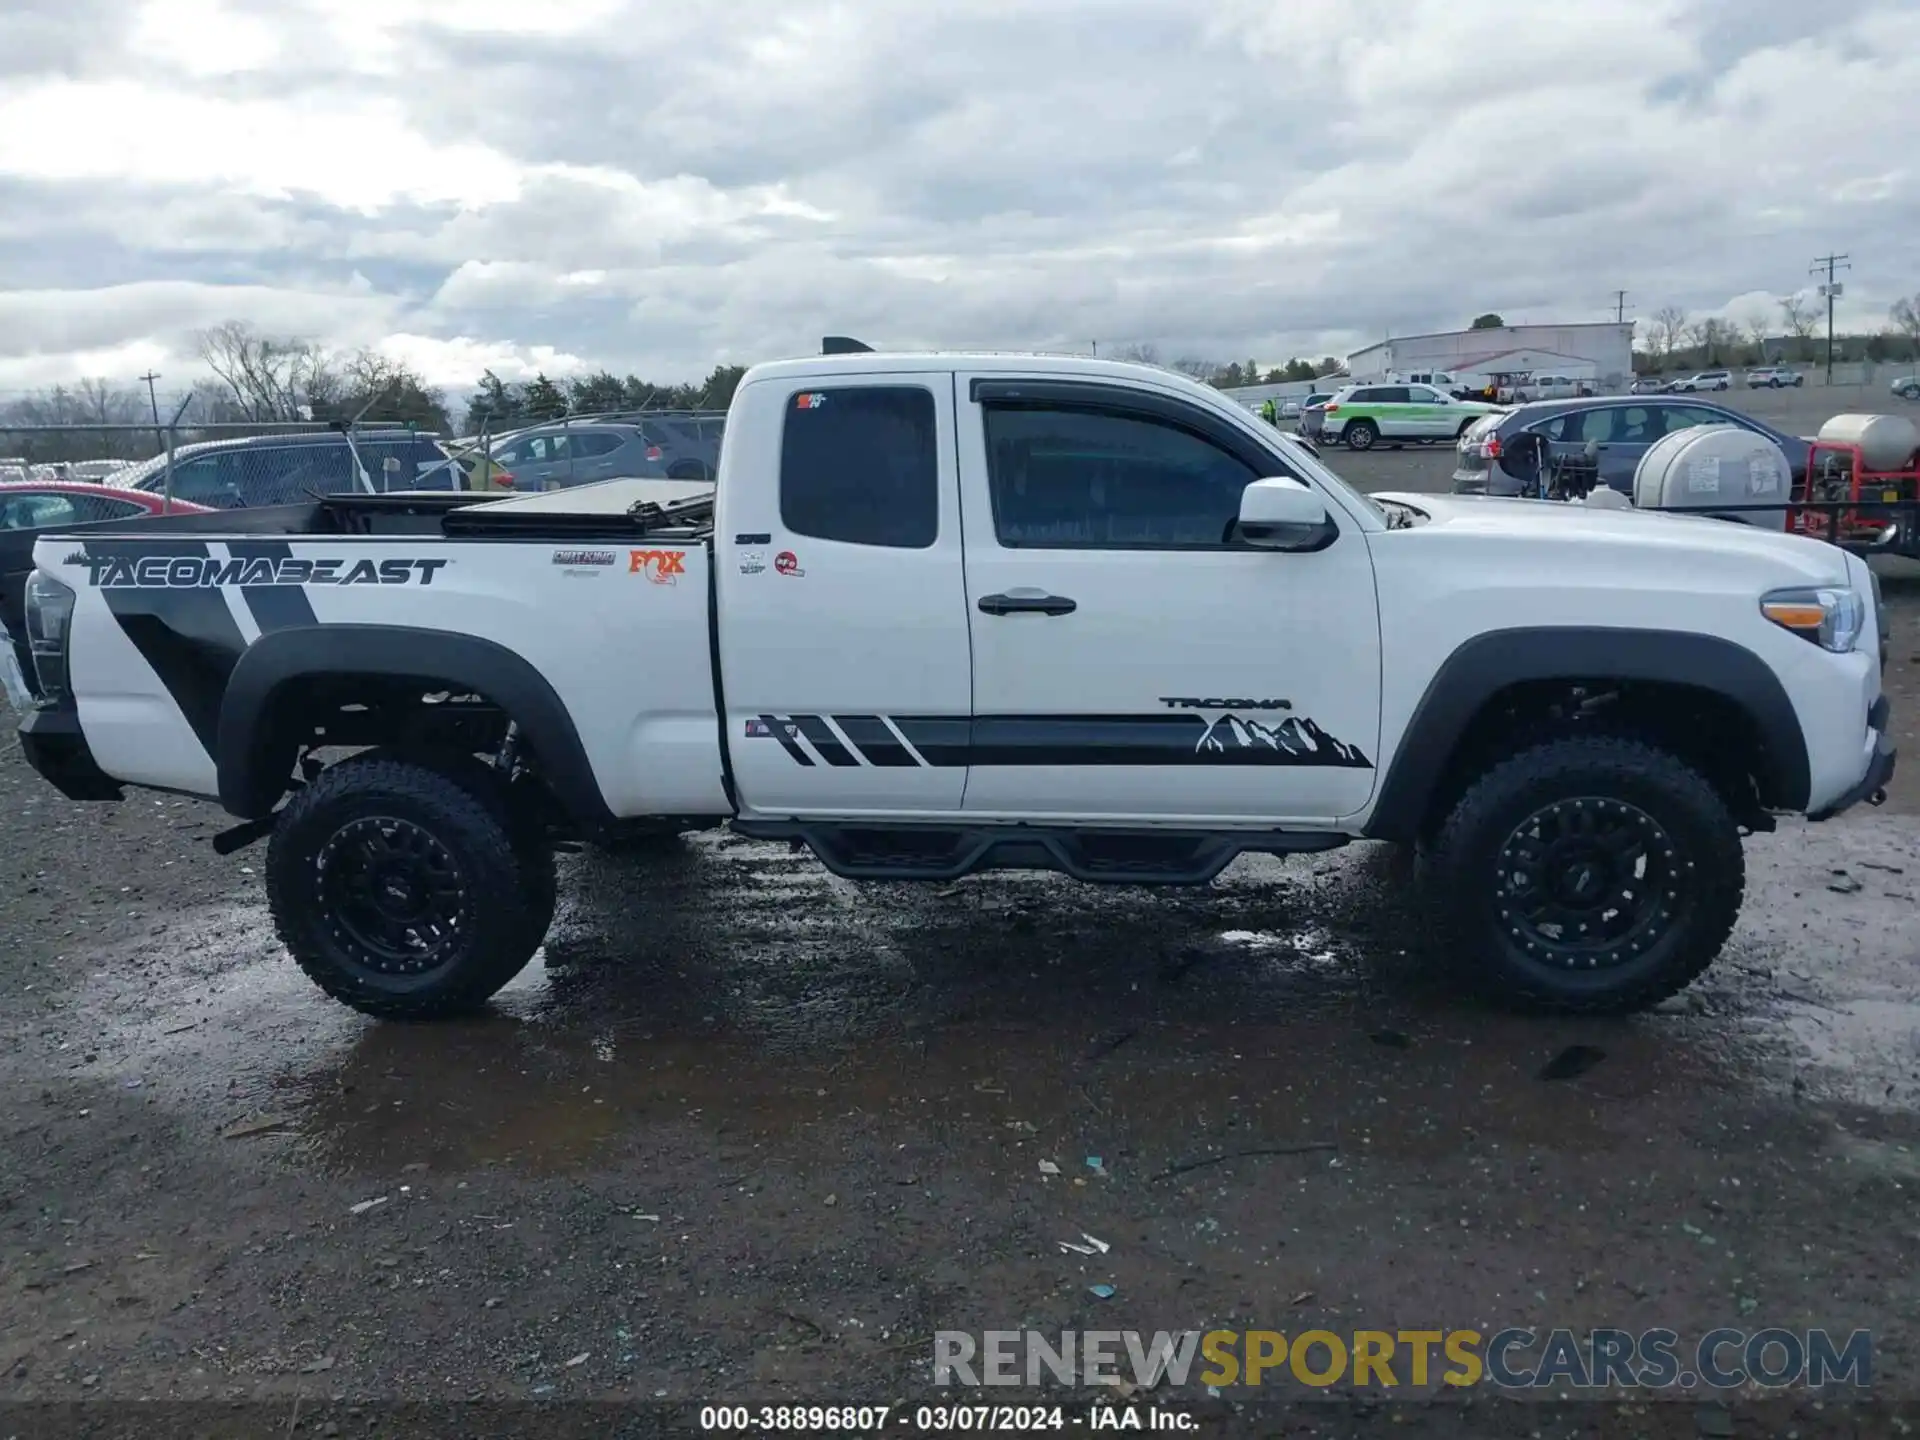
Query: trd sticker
(576,559)
(812,401)
(660,566)
(788,563)
(758,537)
(177,572)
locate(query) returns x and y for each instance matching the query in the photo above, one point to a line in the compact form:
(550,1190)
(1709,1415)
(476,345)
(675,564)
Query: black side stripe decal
(274,607)
(873,739)
(820,735)
(777,728)
(1009,740)
(942,740)
(188,638)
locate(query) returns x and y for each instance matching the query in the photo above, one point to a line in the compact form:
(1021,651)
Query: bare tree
(1194,366)
(1906,319)
(1712,335)
(266,377)
(91,402)
(1758,328)
(1140,352)
(1669,326)
(1801,321)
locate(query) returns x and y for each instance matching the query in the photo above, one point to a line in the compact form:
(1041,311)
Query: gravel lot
(751,1132)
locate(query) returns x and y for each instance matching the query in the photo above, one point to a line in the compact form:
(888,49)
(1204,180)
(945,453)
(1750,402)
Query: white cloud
(477,183)
(203,37)
(355,153)
(457,362)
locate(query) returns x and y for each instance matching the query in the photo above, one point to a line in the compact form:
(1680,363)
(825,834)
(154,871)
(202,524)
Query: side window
(1685,417)
(1074,479)
(1423,396)
(1594,426)
(1391,395)
(203,481)
(528,450)
(587,447)
(99,507)
(861,465)
(1635,425)
(32,512)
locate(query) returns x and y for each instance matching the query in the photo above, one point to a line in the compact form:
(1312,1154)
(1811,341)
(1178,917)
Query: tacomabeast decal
(175,572)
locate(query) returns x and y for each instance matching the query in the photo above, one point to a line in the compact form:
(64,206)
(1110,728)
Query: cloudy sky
(655,186)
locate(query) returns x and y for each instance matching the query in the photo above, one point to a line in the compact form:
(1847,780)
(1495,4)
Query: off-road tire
(1465,867)
(505,886)
(1361,435)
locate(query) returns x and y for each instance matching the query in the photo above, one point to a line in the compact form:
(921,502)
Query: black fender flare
(253,774)
(1487,664)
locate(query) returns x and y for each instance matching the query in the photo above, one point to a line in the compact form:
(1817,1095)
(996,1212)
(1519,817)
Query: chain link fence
(218,466)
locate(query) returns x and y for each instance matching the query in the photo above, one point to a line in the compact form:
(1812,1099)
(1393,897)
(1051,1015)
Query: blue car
(1619,429)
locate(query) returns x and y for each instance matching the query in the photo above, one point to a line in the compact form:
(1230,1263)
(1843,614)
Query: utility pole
(1829,263)
(153,399)
(1620,307)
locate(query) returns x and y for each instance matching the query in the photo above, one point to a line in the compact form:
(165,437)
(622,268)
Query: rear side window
(860,465)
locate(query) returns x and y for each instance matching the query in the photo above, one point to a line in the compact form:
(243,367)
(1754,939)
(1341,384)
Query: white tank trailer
(1887,442)
(1715,470)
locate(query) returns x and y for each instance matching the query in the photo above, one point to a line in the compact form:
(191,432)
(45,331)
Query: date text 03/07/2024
(879,1419)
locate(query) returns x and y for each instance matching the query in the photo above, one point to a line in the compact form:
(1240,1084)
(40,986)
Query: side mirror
(1280,513)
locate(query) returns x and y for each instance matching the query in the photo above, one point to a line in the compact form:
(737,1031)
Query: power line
(1829,263)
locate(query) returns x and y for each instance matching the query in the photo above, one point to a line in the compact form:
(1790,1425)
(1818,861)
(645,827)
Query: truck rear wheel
(1593,875)
(402,892)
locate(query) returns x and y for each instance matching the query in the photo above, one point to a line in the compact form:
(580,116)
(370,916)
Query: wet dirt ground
(748,1131)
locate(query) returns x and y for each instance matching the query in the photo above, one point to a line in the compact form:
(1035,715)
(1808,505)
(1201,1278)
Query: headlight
(49,611)
(1829,616)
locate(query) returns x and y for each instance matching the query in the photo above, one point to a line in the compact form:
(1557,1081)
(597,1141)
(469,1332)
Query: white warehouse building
(1601,352)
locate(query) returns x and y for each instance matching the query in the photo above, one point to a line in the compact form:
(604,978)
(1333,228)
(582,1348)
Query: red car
(52,504)
(29,508)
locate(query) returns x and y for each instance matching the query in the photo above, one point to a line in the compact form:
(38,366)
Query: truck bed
(189,628)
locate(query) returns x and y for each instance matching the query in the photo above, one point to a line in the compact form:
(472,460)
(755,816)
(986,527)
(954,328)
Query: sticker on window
(811,401)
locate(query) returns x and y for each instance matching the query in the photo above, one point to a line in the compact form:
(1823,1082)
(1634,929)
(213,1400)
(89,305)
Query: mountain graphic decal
(1233,741)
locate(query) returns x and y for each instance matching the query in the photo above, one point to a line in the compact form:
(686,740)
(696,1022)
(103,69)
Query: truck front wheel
(404,893)
(1592,875)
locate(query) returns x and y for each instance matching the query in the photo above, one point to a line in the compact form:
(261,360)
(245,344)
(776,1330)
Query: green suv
(1363,416)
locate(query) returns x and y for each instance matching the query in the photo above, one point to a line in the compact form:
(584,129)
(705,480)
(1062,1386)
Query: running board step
(1112,857)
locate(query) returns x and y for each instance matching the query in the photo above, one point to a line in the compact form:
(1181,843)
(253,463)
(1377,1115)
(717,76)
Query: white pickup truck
(948,613)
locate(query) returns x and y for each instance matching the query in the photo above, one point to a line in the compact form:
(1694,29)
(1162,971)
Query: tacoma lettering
(1184,702)
(161,572)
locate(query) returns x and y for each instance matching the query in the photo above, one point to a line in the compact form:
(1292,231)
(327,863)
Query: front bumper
(1872,787)
(56,747)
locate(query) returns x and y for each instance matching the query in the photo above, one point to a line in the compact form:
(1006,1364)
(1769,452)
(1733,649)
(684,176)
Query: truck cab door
(843,642)
(1133,658)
